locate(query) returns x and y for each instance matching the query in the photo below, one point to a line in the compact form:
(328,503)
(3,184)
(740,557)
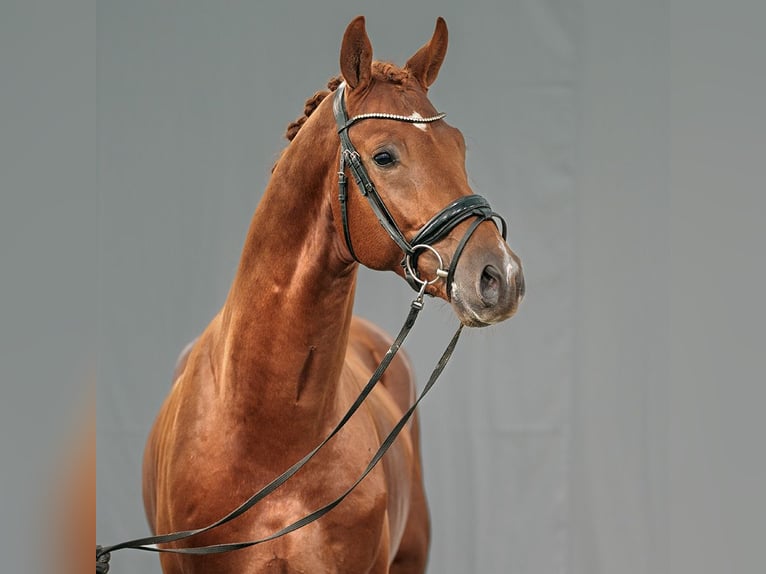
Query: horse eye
(383,158)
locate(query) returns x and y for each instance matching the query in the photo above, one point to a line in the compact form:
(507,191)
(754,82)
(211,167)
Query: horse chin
(475,314)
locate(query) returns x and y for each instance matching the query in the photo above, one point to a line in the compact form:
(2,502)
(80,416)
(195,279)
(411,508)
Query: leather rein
(437,228)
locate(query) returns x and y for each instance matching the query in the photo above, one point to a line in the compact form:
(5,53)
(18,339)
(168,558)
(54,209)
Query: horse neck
(286,320)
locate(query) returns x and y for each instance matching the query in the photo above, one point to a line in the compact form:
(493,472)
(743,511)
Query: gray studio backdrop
(611,427)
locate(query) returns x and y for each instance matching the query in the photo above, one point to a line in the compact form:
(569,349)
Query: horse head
(413,210)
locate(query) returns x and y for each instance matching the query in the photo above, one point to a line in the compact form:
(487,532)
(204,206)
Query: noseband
(437,227)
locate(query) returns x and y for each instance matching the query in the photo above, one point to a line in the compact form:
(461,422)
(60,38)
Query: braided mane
(311,104)
(382,71)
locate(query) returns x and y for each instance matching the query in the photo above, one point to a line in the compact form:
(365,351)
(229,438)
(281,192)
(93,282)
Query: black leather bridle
(437,227)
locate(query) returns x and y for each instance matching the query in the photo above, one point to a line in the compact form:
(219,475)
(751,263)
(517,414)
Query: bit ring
(441,273)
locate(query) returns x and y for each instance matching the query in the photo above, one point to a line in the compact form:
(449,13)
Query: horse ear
(356,55)
(425,64)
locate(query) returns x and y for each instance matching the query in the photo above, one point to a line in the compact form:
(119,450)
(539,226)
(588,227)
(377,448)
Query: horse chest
(355,533)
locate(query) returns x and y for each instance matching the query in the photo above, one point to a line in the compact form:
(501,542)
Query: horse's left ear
(425,64)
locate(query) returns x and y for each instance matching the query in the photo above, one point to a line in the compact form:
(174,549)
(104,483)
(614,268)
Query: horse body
(284,358)
(221,457)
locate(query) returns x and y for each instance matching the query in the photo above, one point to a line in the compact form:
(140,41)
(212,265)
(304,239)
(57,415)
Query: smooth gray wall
(48,266)
(614,425)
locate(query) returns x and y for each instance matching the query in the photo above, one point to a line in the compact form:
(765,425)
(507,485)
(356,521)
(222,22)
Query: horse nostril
(489,285)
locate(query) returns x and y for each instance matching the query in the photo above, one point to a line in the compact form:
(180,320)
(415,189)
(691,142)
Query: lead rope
(150,543)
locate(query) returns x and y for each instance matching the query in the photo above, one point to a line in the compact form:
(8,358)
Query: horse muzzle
(488,285)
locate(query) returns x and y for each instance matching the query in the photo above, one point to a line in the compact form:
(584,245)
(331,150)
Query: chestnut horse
(282,361)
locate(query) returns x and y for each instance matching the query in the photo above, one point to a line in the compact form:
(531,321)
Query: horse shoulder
(407,516)
(180,411)
(370,343)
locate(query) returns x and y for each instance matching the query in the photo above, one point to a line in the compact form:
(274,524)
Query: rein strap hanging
(150,543)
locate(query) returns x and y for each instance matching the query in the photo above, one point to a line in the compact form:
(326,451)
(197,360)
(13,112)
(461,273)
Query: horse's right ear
(356,55)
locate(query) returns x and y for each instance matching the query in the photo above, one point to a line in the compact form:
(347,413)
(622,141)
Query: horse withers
(284,358)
